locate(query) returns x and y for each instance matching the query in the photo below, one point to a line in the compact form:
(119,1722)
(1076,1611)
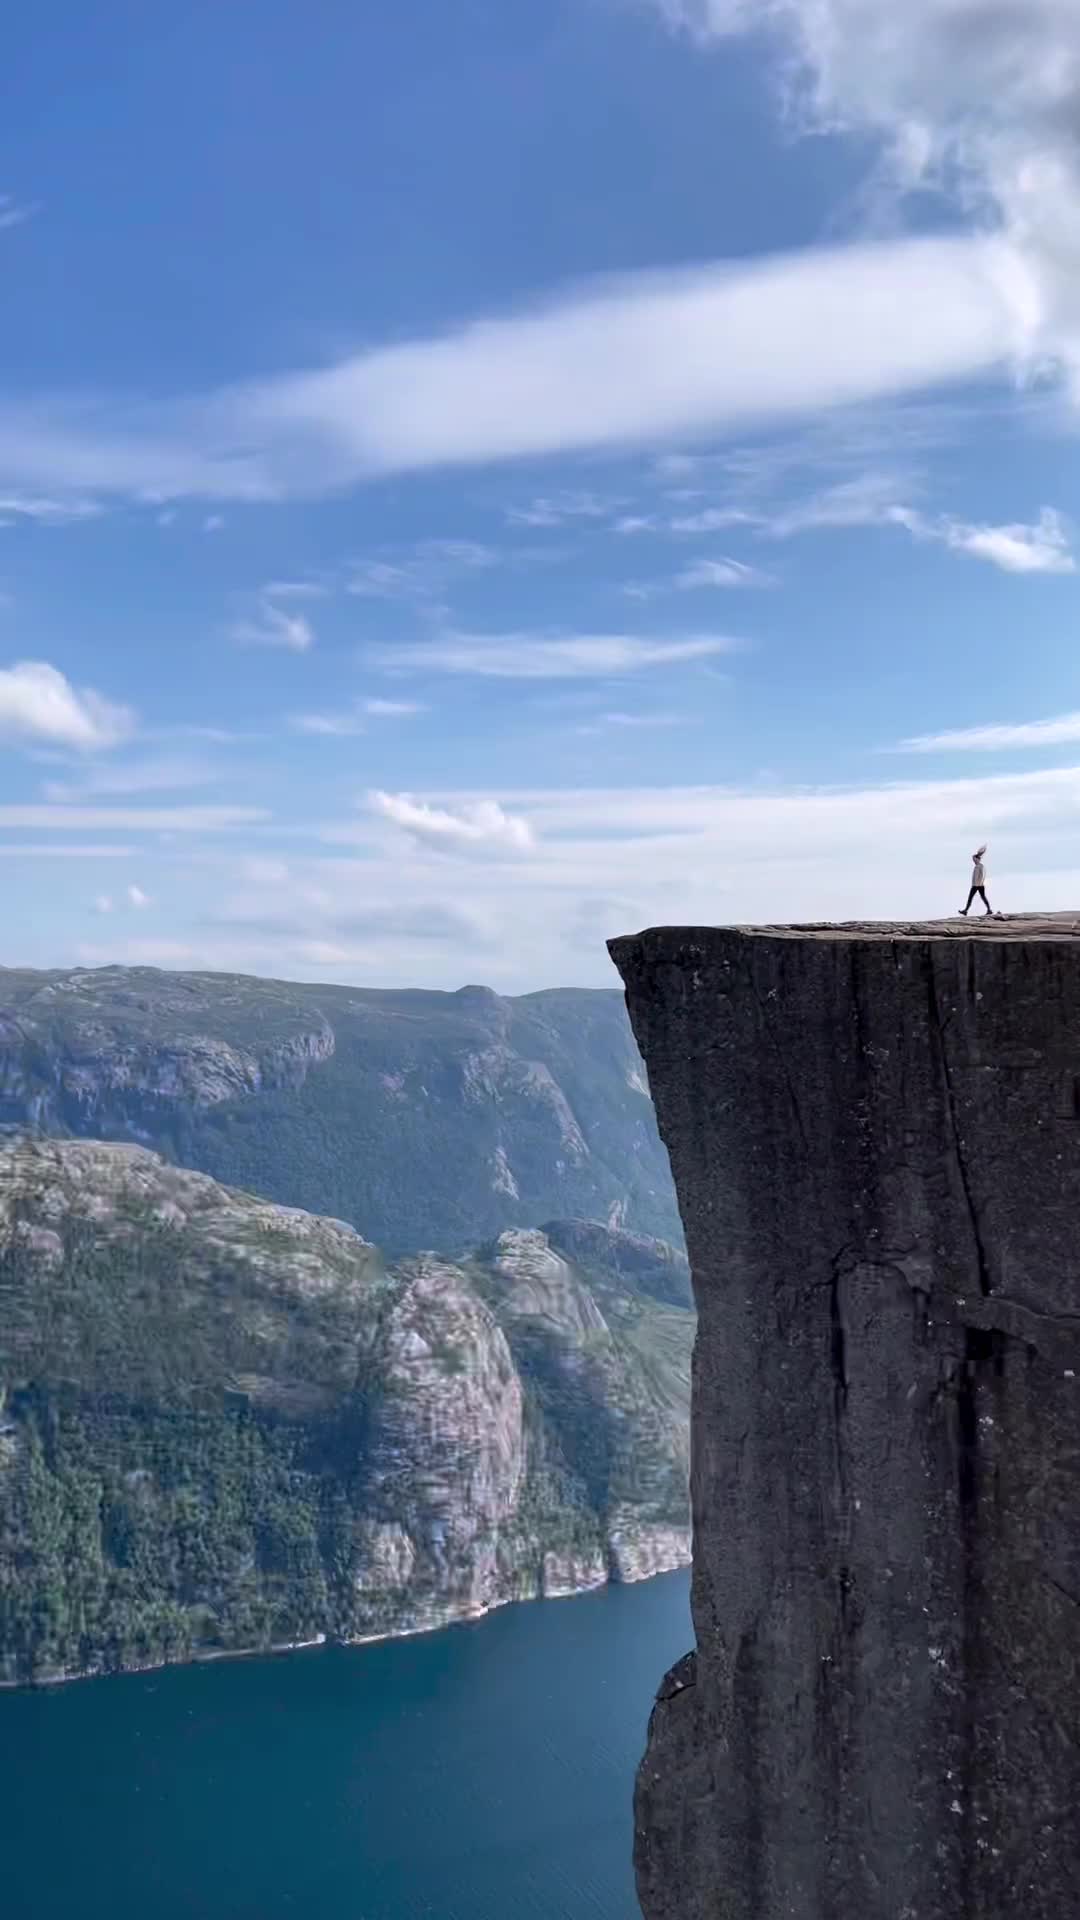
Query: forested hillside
(226,1424)
(424,1119)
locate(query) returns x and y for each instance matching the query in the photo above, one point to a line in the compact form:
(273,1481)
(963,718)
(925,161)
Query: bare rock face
(447,1457)
(875,1137)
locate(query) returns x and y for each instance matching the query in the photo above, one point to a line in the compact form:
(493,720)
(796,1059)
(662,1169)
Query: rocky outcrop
(874,1136)
(653,1266)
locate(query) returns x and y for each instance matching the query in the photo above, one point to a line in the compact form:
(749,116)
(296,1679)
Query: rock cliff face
(875,1137)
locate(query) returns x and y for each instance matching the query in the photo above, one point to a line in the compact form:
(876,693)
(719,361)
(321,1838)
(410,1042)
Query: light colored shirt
(978,878)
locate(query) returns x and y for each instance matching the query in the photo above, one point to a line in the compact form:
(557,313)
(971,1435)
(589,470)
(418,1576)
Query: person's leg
(970,898)
(983,898)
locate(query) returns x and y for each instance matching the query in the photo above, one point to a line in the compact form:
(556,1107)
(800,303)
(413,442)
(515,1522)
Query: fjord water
(482,1773)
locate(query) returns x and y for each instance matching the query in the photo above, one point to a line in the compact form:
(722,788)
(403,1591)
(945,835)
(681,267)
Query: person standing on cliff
(978,882)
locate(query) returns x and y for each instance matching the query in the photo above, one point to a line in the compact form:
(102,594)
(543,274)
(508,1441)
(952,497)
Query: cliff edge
(875,1137)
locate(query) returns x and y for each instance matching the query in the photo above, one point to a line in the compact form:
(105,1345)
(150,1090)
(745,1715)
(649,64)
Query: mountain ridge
(426,1119)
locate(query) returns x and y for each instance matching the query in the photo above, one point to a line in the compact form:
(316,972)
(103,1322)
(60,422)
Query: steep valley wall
(875,1137)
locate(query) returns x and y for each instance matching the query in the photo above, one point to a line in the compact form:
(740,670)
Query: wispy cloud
(607,721)
(719,573)
(706,520)
(14,213)
(272,625)
(883,499)
(702,575)
(393,709)
(137,898)
(873,499)
(421,573)
(976,102)
(370,899)
(1015,548)
(557,509)
(131,777)
(37,703)
(629,523)
(350,720)
(1064,730)
(69,819)
(699,352)
(57,513)
(296,590)
(475,826)
(530,656)
(343,723)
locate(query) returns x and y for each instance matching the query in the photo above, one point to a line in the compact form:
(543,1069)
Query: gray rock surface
(875,1137)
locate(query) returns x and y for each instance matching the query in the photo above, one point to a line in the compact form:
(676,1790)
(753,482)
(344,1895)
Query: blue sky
(481,478)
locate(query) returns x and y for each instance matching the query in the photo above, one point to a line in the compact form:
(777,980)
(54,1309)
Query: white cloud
(274,626)
(295,590)
(1042,548)
(555,510)
(632,720)
(393,709)
(719,573)
(381,580)
(1064,730)
(137,898)
(460,553)
(979,99)
(629,523)
(344,724)
(660,354)
(23,506)
(474,826)
(873,499)
(103,903)
(426,569)
(366,900)
(976,99)
(349,721)
(530,656)
(630,361)
(877,499)
(1014,548)
(710,520)
(38,703)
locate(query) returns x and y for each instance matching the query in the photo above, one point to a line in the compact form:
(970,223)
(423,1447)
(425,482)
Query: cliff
(426,1119)
(874,1137)
(226,1424)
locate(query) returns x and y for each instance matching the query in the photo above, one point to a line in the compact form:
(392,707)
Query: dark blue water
(484,1773)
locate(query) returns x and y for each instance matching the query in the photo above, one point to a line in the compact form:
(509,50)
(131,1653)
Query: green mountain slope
(227,1424)
(427,1119)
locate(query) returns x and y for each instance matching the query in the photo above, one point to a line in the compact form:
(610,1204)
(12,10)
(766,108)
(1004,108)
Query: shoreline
(279,1648)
